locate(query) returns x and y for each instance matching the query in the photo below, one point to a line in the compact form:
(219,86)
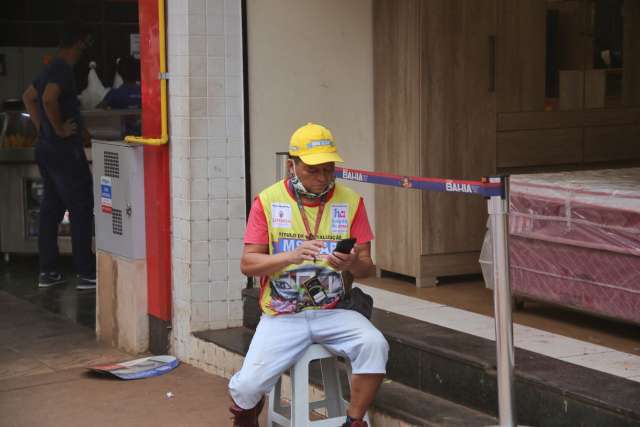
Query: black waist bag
(359,301)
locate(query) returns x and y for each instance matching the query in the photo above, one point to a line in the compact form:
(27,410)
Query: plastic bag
(486,257)
(95,91)
(117,78)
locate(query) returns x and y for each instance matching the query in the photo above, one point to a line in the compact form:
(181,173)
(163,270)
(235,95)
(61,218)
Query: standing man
(292,231)
(52,102)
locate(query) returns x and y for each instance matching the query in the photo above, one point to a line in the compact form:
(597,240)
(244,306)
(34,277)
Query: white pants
(281,340)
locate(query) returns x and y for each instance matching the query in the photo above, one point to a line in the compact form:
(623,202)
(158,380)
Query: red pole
(156,168)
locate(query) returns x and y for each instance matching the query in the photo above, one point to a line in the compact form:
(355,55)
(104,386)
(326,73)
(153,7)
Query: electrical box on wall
(118,182)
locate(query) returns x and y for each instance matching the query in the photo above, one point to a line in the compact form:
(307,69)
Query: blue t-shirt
(126,96)
(60,72)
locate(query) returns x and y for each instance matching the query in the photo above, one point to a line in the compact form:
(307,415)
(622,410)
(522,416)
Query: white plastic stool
(333,400)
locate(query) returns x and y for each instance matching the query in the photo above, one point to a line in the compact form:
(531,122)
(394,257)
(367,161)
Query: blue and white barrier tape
(478,188)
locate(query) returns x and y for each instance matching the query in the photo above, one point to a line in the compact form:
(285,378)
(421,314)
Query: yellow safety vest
(282,292)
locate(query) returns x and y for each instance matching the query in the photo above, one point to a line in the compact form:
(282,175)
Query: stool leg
(332,389)
(275,400)
(278,397)
(300,394)
(272,407)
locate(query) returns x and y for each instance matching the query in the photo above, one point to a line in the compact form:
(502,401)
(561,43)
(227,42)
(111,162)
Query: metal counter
(21,187)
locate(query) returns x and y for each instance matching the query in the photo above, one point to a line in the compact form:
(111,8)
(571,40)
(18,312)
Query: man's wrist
(288,258)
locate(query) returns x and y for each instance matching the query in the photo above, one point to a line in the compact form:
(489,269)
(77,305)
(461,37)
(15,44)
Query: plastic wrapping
(117,78)
(574,240)
(486,257)
(95,91)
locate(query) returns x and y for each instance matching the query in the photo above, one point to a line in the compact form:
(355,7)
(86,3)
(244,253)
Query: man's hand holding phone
(344,256)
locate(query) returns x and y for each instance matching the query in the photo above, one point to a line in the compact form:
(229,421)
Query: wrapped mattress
(574,240)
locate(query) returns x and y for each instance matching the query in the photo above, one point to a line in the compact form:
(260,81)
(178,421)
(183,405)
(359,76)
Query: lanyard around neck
(305,220)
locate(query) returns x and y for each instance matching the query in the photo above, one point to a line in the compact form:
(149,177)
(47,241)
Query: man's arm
(363,265)
(30,99)
(52,110)
(256,260)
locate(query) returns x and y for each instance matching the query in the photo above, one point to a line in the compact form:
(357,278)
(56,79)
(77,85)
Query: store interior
(29,34)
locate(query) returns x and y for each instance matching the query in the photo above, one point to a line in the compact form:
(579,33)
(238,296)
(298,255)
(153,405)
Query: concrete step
(461,368)
(395,401)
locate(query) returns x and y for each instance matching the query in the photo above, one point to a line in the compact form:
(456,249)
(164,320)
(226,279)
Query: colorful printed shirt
(275,220)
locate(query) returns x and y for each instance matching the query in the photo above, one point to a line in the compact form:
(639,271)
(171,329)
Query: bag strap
(347,283)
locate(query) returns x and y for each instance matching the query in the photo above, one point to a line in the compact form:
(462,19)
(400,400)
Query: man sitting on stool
(292,232)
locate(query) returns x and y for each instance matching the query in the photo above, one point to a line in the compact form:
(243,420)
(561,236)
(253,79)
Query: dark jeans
(68,185)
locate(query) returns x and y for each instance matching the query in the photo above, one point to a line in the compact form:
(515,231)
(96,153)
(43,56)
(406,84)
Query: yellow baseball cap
(314,145)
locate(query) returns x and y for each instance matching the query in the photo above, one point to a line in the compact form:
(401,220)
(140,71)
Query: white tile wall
(215,7)
(200,230)
(180,208)
(179,106)
(215,67)
(236,187)
(176,6)
(177,44)
(200,293)
(236,167)
(234,106)
(219,291)
(215,24)
(197,7)
(179,126)
(220,229)
(218,167)
(219,249)
(207,164)
(199,147)
(199,210)
(199,170)
(234,66)
(200,273)
(218,211)
(217,126)
(197,44)
(198,66)
(217,148)
(197,87)
(216,45)
(181,229)
(178,66)
(197,24)
(179,189)
(178,24)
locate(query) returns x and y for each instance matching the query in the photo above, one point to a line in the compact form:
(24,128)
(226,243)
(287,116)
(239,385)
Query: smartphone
(315,290)
(344,246)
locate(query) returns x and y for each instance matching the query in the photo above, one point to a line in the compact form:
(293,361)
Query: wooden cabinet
(568,61)
(436,117)
(467,88)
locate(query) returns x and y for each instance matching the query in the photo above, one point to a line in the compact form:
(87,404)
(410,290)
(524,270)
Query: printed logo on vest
(281,215)
(289,245)
(339,218)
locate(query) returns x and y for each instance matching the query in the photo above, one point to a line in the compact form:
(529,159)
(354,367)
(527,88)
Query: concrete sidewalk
(43,380)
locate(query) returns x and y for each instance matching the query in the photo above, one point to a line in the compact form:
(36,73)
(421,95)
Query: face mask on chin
(299,188)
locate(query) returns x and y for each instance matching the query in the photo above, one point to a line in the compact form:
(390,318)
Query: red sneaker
(246,417)
(356,423)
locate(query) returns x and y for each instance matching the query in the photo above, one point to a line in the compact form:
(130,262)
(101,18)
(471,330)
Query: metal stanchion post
(281,165)
(498,210)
